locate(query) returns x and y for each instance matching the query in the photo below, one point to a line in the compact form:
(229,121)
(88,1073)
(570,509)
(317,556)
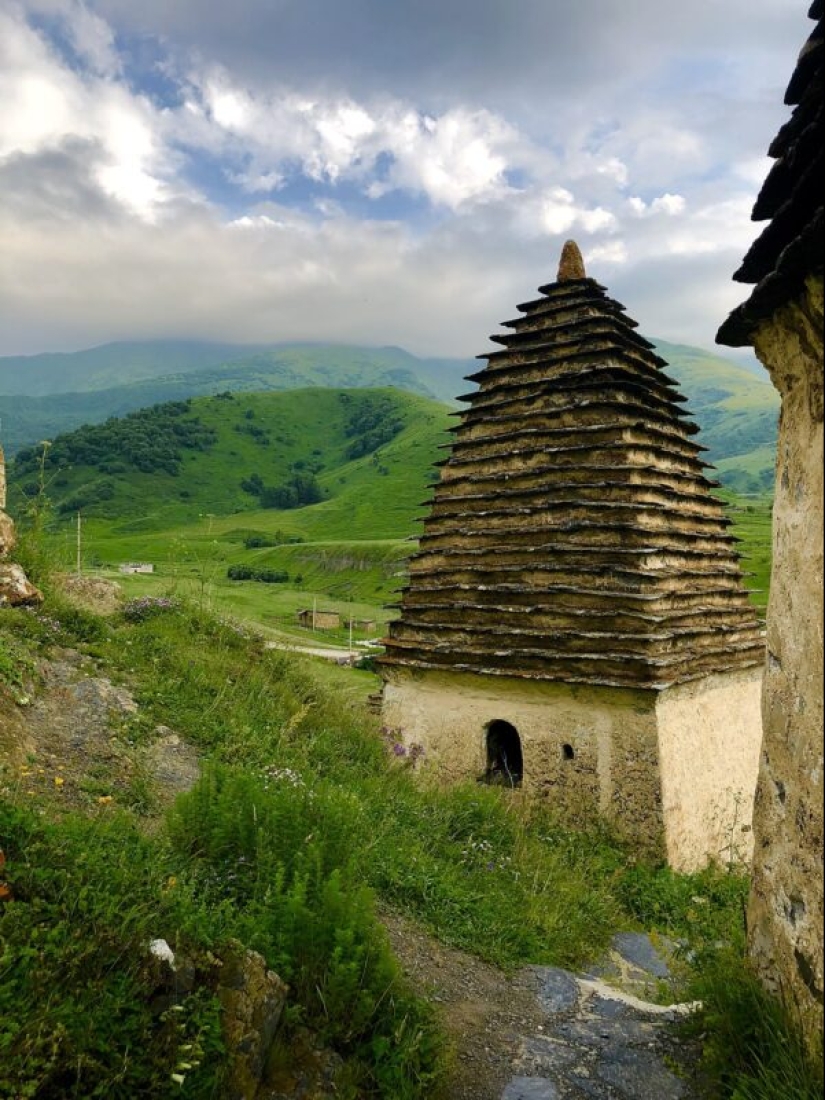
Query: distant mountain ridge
(42,396)
(118,365)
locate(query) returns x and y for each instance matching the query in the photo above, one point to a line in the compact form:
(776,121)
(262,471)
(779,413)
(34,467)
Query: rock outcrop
(783,321)
(252,998)
(15,587)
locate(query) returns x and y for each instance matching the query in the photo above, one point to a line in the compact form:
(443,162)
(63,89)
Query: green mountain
(736,410)
(738,414)
(108,365)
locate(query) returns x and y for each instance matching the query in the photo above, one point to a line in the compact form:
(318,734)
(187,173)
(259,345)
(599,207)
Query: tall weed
(753,1044)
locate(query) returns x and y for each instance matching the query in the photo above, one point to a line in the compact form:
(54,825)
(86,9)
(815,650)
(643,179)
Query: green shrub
(703,909)
(79,986)
(281,852)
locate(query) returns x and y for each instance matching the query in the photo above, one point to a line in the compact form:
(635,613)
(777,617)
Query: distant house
(319,620)
(136,567)
(366,626)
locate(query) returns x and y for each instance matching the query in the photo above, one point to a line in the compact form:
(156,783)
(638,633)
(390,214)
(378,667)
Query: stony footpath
(601,1036)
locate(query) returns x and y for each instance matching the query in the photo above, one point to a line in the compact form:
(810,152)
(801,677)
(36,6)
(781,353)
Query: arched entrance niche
(505,761)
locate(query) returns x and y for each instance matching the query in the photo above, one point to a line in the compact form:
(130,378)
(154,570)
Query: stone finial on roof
(571,264)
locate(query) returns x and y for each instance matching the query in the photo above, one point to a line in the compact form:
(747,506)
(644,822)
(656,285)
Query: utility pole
(350,634)
(314,611)
(79,557)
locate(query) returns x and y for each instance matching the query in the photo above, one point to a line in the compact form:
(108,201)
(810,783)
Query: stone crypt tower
(575,620)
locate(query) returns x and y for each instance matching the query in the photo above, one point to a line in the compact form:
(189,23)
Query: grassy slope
(737,412)
(368,497)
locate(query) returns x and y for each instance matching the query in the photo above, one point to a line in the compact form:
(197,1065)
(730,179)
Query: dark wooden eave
(790,248)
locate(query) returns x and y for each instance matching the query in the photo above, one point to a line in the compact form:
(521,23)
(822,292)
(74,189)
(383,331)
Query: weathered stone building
(782,320)
(575,619)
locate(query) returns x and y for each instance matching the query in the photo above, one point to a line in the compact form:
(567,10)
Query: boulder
(253,999)
(16,590)
(103,597)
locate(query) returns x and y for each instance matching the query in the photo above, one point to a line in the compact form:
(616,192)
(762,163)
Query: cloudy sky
(376,171)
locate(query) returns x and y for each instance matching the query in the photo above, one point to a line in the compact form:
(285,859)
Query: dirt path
(547,1034)
(484,1011)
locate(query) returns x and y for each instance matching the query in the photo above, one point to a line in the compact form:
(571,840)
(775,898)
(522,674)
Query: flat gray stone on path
(600,1042)
(638,949)
(544,1055)
(558,989)
(530,1088)
(606,1032)
(640,1075)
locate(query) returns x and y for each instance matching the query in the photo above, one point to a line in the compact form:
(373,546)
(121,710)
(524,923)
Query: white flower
(161,950)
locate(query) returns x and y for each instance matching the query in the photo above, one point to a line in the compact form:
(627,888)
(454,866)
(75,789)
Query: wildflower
(59,781)
(104,800)
(398,749)
(161,950)
(178,1078)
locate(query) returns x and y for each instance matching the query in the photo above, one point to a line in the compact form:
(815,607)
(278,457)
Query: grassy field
(752,517)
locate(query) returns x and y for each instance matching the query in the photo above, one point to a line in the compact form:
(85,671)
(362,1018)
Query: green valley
(318,490)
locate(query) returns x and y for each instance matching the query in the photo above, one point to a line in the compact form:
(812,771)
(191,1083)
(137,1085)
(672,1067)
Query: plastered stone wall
(710,732)
(673,771)
(613,773)
(786,910)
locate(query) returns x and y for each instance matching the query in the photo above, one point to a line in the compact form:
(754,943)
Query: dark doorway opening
(505,762)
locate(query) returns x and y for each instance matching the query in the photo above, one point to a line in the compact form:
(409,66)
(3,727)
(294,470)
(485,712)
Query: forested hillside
(354,453)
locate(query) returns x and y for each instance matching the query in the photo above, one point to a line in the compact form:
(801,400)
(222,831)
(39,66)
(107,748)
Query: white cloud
(664,189)
(612,253)
(91,37)
(455,158)
(45,103)
(664,204)
(559,212)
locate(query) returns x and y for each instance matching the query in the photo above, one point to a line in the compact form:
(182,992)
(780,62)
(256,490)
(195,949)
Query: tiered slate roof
(791,246)
(573,536)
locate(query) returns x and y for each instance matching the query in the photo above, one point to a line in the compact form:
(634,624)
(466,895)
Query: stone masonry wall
(590,752)
(786,909)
